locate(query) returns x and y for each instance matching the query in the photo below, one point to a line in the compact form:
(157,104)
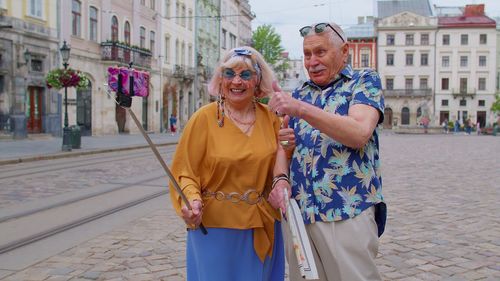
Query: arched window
(405,116)
(126,32)
(114,29)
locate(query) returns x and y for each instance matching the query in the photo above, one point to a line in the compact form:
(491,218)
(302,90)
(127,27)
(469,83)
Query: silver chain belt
(251,196)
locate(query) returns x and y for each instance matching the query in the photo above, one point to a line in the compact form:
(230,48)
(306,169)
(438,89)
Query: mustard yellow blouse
(212,158)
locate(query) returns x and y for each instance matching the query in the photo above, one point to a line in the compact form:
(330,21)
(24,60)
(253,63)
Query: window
(463,61)
(232,38)
(409,40)
(167,8)
(223,39)
(423,83)
(482,60)
(389,83)
(183,15)
(143,2)
(190,55)
(464,39)
(37,65)
(349,58)
(126,33)
(183,53)
(463,102)
(152,4)
(483,39)
(481,84)
(444,102)
(152,42)
(76,13)
(446,39)
(409,59)
(481,103)
(390,39)
(463,85)
(190,19)
(445,61)
(424,59)
(93,24)
(35,8)
(177,52)
(424,39)
(390,59)
(408,83)
(142,38)
(177,12)
(445,84)
(167,49)
(114,29)
(365,60)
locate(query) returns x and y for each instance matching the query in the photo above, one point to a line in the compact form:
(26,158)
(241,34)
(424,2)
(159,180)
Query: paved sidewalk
(14,151)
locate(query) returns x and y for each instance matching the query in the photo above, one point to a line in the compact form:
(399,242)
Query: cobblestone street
(443,199)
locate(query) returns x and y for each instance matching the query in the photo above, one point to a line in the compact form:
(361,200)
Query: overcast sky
(288,16)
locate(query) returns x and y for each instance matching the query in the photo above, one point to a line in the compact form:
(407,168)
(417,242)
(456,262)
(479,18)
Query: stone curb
(76,153)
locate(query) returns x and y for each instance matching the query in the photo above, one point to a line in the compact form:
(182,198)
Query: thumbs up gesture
(282,103)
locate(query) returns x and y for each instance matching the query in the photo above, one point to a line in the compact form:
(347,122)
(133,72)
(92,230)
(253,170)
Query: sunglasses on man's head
(228,73)
(318,28)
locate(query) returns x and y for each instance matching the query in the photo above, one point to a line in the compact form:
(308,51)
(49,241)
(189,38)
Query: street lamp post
(66,145)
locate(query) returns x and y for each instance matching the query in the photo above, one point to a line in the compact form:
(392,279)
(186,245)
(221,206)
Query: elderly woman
(226,163)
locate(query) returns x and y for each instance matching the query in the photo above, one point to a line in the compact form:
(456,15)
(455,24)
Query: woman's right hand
(193,216)
(277,196)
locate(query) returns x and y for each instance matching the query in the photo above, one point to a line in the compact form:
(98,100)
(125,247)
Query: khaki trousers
(343,250)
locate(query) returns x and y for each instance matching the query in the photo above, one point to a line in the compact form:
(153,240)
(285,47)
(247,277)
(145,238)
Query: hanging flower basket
(60,78)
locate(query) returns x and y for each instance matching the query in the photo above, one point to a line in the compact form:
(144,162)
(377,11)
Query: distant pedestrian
(468,126)
(478,128)
(445,126)
(173,124)
(456,128)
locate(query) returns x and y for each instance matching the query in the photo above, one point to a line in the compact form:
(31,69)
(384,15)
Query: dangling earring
(220,111)
(255,100)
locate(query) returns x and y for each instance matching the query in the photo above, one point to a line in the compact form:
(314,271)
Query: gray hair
(253,60)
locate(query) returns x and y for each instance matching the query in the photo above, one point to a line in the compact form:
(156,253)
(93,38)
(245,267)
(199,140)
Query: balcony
(118,52)
(464,93)
(184,73)
(408,93)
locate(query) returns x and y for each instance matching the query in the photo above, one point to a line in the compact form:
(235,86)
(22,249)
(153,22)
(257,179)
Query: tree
(495,107)
(268,43)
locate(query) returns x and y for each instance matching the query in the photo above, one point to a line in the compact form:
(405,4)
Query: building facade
(466,68)
(177,42)
(362,44)
(28,49)
(406,52)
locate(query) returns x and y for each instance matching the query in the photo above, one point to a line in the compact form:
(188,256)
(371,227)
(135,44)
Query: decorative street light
(66,145)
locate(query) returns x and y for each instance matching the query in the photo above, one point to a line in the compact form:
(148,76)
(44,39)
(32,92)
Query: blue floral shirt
(331,181)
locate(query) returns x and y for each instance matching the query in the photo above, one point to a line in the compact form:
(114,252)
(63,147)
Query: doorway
(84,110)
(34,110)
(387,118)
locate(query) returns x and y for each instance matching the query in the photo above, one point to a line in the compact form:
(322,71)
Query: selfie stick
(163,164)
(126,102)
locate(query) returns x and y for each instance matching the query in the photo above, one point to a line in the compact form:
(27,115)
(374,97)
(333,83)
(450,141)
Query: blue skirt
(226,254)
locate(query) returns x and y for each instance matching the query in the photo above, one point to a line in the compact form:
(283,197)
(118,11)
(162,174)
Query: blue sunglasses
(228,73)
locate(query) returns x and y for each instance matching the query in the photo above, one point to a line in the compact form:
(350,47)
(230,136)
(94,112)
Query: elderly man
(335,165)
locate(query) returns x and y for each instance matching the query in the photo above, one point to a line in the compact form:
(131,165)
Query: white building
(406,59)
(466,70)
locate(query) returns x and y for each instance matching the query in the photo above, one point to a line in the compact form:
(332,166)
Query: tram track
(29,223)
(69,163)
(34,225)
